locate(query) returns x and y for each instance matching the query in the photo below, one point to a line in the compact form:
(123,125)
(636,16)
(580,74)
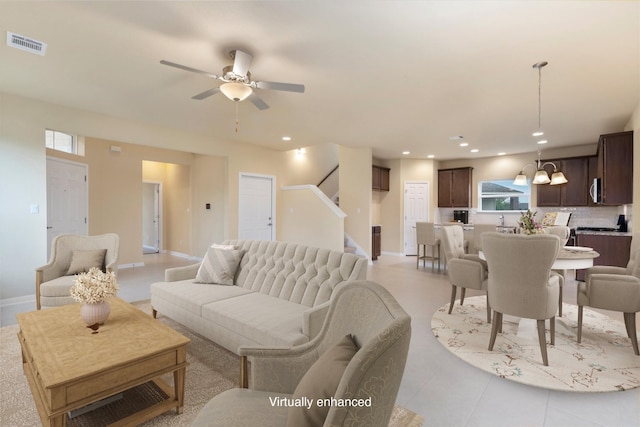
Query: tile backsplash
(601,216)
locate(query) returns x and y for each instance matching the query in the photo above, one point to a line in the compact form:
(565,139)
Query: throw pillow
(82,261)
(228,247)
(219,266)
(321,382)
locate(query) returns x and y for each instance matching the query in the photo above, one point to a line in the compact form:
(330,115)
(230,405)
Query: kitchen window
(501,195)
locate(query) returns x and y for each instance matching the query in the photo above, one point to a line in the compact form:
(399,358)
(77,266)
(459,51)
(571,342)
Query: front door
(67,198)
(256,213)
(416,209)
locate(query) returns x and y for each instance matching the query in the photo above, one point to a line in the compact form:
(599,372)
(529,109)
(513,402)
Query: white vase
(95,313)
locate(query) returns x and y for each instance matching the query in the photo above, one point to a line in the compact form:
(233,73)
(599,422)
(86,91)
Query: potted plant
(92,289)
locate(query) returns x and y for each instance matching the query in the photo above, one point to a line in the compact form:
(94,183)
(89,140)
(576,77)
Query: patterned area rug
(604,361)
(212,370)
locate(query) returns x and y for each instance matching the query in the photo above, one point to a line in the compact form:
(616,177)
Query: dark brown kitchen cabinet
(573,193)
(454,187)
(380,178)
(376,242)
(613,250)
(615,168)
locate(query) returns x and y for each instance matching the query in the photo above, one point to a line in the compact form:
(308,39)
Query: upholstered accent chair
(465,270)
(426,237)
(616,289)
(563,232)
(381,330)
(478,229)
(520,280)
(72,254)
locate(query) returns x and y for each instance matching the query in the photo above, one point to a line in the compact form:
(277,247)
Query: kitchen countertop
(604,233)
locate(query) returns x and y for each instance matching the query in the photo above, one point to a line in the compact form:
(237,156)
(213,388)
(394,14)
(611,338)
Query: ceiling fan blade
(241,62)
(206,93)
(257,101)
(193,70)
(289,87)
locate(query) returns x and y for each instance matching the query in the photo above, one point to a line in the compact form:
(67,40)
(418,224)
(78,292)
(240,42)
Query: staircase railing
(328,175)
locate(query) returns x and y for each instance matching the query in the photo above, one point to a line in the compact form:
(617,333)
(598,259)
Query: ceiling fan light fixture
(236,91)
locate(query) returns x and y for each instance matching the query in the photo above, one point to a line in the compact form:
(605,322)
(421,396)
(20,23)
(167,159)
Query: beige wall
(308,218)
(355,194)
(115,193)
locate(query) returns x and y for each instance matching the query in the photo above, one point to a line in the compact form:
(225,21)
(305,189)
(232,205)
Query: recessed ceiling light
(475,150)
(538,133)
(464,144)
(542,141)
(406,152)
(430,156)
(286,138)
(502,153)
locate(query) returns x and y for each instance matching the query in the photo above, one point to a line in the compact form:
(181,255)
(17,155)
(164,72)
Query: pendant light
(541,176)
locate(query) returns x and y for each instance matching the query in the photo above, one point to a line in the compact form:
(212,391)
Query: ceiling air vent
(26,44)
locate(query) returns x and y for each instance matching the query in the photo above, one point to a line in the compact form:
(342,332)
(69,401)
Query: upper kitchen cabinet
(573,193)
(380,178)
(454,188)
(615,168)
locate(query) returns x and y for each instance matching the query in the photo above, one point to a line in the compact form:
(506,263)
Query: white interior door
(256,207)
(67,198)
(151,218)
(416,209)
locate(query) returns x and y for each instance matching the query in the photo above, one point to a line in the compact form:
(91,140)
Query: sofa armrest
(276,369)
(181,273)
(313,319)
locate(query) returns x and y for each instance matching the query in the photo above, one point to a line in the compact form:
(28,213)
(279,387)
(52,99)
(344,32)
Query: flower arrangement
(528,223)
(94,286)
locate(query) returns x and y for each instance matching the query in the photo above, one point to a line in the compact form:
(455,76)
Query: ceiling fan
(237,84)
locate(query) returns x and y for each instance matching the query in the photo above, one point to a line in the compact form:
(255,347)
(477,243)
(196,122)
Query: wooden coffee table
(69,367)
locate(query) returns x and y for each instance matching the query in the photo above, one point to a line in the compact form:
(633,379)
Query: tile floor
(445,390)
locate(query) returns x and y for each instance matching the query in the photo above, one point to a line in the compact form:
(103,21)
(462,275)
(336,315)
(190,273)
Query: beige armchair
(72,254)
(426,237)
(520,280)
(381,330)
(465,270)
(616,289)
(478,229)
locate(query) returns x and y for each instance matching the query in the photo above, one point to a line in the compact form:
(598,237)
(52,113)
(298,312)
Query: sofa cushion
(191,296)
(260,318)
(83,260)
(294,272)
(321,382)
(219,266)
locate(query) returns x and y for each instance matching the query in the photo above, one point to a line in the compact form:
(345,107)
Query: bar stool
(426,236)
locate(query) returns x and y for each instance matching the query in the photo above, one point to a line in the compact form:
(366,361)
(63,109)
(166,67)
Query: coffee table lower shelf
(144,411)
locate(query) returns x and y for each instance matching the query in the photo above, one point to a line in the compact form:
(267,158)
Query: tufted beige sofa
(280,295)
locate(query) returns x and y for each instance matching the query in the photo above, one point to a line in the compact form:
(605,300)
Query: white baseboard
(130,265)
(183,255)
(25,299)
(393,253)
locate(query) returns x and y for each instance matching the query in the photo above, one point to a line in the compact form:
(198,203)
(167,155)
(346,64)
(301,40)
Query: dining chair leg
(439,257)
(488,309)
(543,342)
(580,308)
(497,322)
(560,302)
(630,323)
(552,328)
(462,292)
(453,298)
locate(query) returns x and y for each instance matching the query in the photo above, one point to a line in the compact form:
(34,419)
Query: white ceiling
(393,75)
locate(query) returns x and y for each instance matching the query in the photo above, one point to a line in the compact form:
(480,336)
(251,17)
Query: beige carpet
(604,361)
(211,370)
